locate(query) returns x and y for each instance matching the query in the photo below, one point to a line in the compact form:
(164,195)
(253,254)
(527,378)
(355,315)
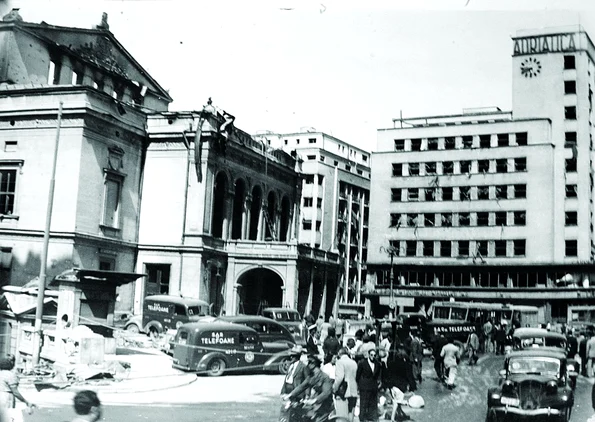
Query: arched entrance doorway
(259,288)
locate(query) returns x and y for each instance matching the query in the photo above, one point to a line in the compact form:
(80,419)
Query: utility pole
(44,254)
(392,251)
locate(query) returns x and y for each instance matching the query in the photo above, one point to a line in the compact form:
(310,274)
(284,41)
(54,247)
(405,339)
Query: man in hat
(367,377)
(297,372)
(312,343)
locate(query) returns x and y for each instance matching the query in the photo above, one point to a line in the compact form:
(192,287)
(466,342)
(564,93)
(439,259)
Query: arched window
(238,209)
(285,218)
(219,211)
(255,212)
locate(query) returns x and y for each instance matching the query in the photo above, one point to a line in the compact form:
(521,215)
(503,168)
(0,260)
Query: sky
(345,68)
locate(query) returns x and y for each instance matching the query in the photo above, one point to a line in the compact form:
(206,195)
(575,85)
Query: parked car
(274,336)
(525,338)
(164,312)
(534,385)
(218,347)
(290,319)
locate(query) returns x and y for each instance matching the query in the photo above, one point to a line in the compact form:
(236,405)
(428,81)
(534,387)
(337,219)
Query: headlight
(495,396)
(570,367)
(551,387)
(564,397)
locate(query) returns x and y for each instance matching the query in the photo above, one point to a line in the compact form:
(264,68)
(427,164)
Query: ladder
(269,223)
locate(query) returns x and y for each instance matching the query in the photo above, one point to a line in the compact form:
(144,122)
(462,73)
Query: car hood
(520,378)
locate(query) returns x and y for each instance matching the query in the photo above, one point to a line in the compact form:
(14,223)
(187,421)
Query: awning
(78,275)
(20,303)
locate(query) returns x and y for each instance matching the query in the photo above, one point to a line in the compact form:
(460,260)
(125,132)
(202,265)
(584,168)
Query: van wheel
(133,328)
(216,367)
(284,366)
(153,333)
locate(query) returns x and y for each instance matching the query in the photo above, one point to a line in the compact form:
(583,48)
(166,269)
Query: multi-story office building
(492,205)
(334,209)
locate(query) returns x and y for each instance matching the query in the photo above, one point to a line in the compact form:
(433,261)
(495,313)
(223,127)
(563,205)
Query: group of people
(87,405)
(328,375)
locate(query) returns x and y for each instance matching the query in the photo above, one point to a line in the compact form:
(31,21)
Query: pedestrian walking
(571,344)
(439,342)
(487,333)
(368,379)
(582,352)
(87,406)
(472,347)
(345,386)
(416,354)
(311,342)
(9,391)
(331,345)
(297,372)
(452,356)
(590,355)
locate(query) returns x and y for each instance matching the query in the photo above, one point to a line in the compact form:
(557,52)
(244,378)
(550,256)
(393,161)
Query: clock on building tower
(530,67)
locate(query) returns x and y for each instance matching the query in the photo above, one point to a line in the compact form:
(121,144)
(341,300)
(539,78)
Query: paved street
(255,397)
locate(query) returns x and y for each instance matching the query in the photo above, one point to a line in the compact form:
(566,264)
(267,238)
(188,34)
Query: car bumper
(547,411)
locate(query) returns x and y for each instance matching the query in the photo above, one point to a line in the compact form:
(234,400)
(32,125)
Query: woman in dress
(9,388)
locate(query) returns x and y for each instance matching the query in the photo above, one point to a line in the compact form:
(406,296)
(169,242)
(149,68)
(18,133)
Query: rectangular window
(411,248)
(311,157)
(521,138)
(413,169)
(111,200)
(318,224)
(158,277)
(430,194)
(312,140)
(483,193)
(483,166)
(319,203)
(481,246)
(570,113)
(449,142)
(397,169)
(501,192)
(569,139)
(446,220)
(433,144)
(500,218)
(500,247)
(520,164)
(463,248)
(10,146)
(483,219)
(518,247)
(465,193)
(571,218)
(395,195)
(8,185)
(502,165)
(447,194)
(465,167)
(484,141)
(570,165)
(520,218)
(447,167)
(309,179)
(571,247)
(308,201)
(54,73)
(322,158)
(445,248)
(520,191)
(307,224)
(416,145)
(428,248)
(430,169)
(412,194)
(503,140)
(467,142)
(347,167)
(429,220)
(464,219)
(395,220)
(399,145)
(569,87)
(571,191)
(411,220)
(569,62)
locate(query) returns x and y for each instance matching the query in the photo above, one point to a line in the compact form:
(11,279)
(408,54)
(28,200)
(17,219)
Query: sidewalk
(150,370)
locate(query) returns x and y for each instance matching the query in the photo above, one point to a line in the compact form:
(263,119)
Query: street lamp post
(392,251)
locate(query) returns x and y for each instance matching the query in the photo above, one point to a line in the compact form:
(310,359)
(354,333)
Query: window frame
(119,178)
(11,166)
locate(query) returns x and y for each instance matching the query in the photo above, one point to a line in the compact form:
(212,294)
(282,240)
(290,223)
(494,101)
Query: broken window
(483,192)
(449,142)
(428,247)
(399,145)
(502,165)
(430,194)
(501,192)
(521,138)
(411,220)
(411,247)
(463,248)
(413,169)
(520,218)
(465,167)
(519,247)
(483,219)
(571,165)
(483,166)
(569,139)
(395,220)
(413,194)
(395,195)
(429,220)
(571,191)
(446,220)
(520,164)
(416,145)
(433,144)
(520,191)
(447,167)
(467,142)
(397,169)
(445,248)
(465,193)
(447,194)
(500,247)
(503,140)
(501,218)
(430,168)
(484,141)
(464,219)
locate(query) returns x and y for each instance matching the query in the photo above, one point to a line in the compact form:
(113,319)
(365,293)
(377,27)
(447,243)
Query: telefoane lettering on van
(218,338)
(156,307)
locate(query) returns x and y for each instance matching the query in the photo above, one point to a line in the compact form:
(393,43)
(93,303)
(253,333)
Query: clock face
(530,67)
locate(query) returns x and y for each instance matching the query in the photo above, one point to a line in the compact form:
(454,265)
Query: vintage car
(214,348)
(534,385)
(290,319)
(529,338)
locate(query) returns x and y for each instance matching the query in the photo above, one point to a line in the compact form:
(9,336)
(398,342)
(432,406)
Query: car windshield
(540,341)
(287,316)
(534,366)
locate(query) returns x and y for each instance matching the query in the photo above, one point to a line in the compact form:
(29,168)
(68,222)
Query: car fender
(276,359)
